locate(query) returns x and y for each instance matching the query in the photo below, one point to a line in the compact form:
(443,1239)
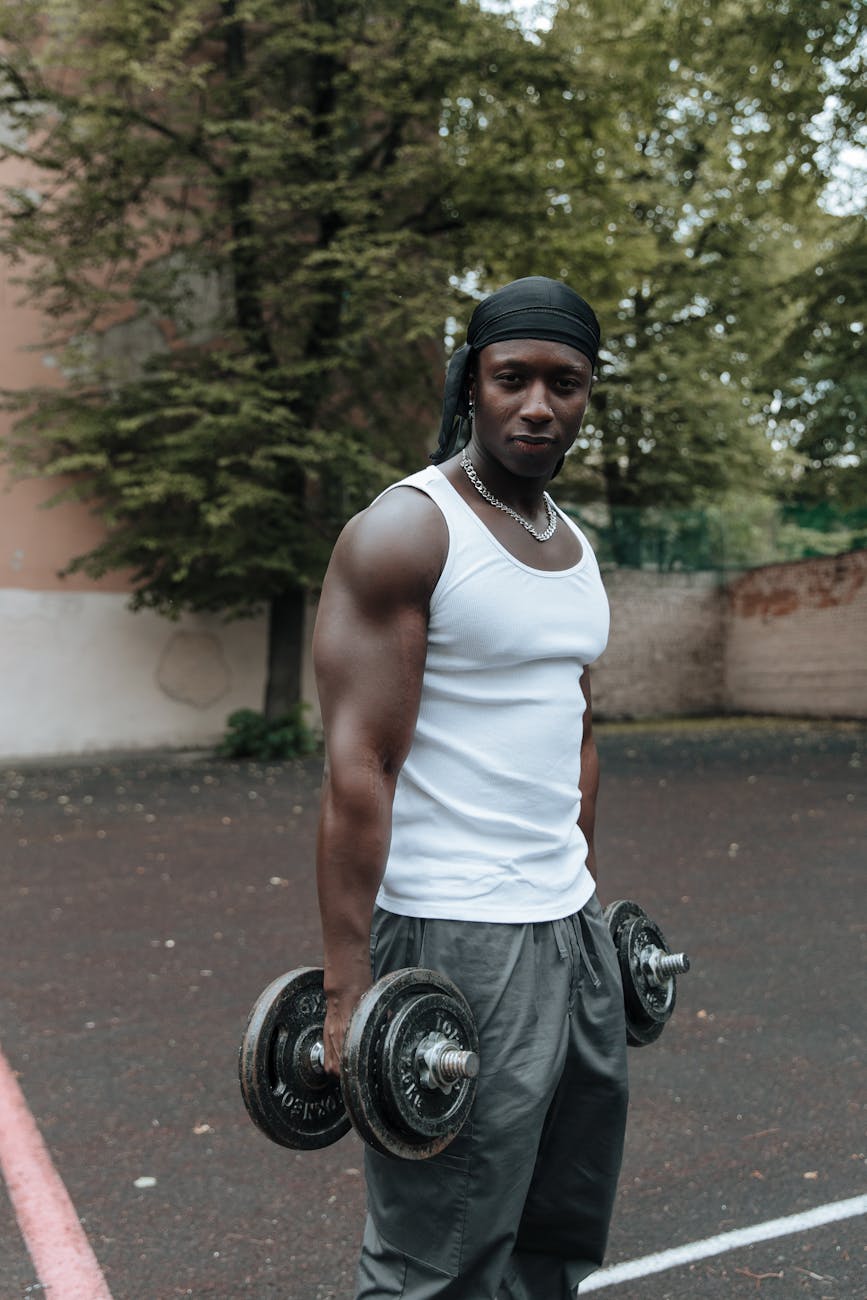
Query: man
(458,616)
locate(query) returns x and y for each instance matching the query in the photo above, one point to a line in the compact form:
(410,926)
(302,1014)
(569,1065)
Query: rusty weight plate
(391,1110)
(292,1102)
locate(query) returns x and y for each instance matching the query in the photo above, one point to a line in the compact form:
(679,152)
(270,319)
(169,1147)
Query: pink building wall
(34,544)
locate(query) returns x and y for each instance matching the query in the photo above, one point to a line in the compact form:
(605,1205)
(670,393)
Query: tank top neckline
(498,545)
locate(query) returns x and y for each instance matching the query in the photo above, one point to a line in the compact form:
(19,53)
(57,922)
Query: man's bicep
(369,653)
(369,675)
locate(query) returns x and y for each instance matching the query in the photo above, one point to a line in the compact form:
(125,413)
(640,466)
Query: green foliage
(203,516)
(821,405)
(705,199)
(249,220)
(243,218)
(738,532)
(252,735)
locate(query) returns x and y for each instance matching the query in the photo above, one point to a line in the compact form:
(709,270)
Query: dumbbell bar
(407,1073)
(647,967)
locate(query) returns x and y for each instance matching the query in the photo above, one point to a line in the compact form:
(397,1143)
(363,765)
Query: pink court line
(61,1254)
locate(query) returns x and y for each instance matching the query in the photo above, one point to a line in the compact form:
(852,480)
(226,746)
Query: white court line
(52,1232)
(725,1241)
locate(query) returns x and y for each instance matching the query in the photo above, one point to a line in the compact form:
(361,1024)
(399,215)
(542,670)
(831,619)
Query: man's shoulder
(401,538)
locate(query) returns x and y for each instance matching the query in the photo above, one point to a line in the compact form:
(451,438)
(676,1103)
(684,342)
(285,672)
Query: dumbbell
(647,967)
(410,1057)
(408,1068)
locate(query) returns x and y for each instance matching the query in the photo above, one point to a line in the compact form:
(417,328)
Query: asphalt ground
(148,900)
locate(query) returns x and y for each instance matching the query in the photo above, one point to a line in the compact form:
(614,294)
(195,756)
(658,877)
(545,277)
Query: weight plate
(390,1109)
(617,914)
(648,1006)
(286,1097)
(657,1000)
(419,1111)
(641,1032)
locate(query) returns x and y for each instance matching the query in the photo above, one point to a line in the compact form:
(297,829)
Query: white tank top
(487,802)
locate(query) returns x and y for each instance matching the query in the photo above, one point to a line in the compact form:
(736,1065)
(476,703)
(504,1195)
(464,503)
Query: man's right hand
(339,1009)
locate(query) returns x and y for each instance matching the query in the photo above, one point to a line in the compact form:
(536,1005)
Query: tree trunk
(624,526)
(285,653)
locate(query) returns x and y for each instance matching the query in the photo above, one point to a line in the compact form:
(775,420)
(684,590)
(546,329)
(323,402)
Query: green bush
(251,735)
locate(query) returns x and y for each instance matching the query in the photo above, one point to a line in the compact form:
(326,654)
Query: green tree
(819,367)
(241,219)
(685,178)
(821,408)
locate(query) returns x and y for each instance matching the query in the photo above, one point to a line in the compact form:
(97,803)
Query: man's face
(530,397)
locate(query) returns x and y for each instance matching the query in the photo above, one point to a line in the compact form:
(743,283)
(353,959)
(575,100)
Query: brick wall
(785,639)
(665,654)
(796,638)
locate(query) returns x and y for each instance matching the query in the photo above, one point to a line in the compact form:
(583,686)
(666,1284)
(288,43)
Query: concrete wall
(82,673)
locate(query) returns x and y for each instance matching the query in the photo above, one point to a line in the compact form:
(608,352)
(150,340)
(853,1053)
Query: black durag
(532,308)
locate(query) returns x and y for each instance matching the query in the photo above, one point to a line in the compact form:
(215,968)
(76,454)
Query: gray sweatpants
(518,1206)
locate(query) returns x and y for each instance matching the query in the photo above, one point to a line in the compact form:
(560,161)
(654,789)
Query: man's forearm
(354,833)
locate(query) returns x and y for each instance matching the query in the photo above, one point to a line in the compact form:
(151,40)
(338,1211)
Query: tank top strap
(434,484)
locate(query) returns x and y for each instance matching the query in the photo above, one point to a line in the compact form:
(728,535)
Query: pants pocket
(601,942)
(419,1207)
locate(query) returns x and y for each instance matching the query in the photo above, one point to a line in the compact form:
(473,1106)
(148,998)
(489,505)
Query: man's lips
(533,440)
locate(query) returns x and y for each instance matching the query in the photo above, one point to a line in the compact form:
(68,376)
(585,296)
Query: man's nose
(536,405)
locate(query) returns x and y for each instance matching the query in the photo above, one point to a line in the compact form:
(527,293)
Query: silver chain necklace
(470,470)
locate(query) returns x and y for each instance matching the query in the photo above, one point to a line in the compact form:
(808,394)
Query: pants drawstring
(578,923)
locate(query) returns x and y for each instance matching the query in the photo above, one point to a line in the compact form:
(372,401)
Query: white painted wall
(81,673)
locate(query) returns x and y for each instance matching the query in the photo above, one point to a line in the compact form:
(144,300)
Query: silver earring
(471,410)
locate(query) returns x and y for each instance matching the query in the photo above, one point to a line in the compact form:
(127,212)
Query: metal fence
(733,536)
